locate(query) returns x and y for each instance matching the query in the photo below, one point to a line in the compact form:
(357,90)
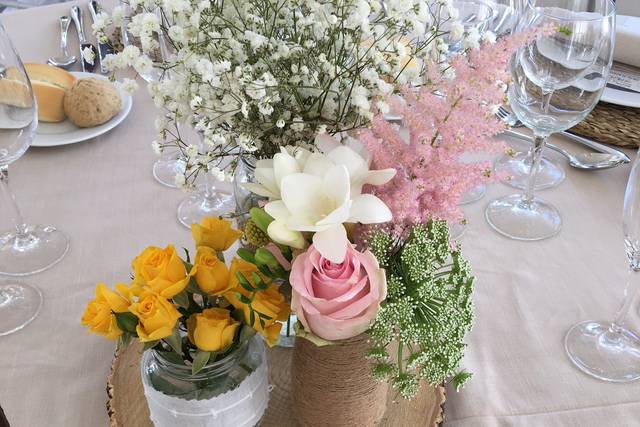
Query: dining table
(102,194)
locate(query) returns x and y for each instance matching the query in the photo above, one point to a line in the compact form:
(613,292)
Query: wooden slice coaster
(127,406)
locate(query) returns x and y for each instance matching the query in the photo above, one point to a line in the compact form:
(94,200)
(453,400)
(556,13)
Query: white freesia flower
(322,204)
(88,55)
(269,173)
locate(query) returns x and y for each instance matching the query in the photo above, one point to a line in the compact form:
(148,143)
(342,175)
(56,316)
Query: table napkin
(627,48)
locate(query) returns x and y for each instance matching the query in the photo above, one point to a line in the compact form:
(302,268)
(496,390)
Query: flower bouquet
(199,321)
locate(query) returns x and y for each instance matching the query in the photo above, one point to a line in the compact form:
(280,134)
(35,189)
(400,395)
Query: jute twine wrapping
(332,385)
(611,124)
(127,405)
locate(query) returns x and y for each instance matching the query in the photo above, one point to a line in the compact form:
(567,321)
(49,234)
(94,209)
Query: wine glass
(27,249)
(608,350)
(473,15)
(208,201)
(557,80)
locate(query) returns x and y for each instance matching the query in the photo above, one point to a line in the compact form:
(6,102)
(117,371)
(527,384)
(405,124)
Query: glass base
(42,248)
(165,171)
(473,195)
(19,305)
(456,230)
(602,353)
(518,219)
(196,206)
(517,168)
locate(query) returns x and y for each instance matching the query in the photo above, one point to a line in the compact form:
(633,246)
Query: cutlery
(606,157)
(65,60)
(579,160)
(104,49)
(76,15)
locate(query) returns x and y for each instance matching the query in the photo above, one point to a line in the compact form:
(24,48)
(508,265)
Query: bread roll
(49,86)
(14,89)
(91,102)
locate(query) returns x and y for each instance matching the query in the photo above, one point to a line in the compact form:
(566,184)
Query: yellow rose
(99,315)
(214,233)
(156,317)
(269,302)
(162,270)
(212,330)
(211,274)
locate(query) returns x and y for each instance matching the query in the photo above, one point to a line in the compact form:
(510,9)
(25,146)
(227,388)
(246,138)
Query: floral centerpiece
(197,319)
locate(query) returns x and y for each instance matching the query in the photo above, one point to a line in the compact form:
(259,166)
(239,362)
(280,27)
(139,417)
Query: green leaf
(244,300)
(264,316)
(175,341)
(246,255)
(182,299)
(259,284)
(193,287)
(261,218)
(186,254)
(265,270)
(244,282)
(252,317)
(127,322)
(187,265)
(264,256)
(201,359)
(460,379)
(150,344)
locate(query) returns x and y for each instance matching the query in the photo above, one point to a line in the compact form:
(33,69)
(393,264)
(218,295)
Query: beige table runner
(102,194)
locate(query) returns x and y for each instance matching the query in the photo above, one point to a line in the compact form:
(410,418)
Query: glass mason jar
(230,392)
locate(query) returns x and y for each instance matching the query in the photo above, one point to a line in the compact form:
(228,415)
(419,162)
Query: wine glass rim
(531,4)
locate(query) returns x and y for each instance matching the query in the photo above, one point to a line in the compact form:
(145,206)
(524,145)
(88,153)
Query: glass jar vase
(230,392)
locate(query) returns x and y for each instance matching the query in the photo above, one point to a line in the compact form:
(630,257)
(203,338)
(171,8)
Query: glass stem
(10,200)
(630,291)
(535,154)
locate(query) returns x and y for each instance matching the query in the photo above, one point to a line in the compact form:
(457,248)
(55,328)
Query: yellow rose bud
(156,315)
(269,302)
(211,274)
(212,330)
(162,270)
(99,315)
(214,233)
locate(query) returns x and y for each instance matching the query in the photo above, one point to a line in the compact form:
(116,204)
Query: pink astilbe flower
(445,118)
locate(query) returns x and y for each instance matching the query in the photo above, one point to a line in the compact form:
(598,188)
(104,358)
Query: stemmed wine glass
(207,201)
(608,350)
(29,248)
(557,80)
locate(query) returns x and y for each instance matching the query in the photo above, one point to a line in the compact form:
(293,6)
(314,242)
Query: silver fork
(606,157)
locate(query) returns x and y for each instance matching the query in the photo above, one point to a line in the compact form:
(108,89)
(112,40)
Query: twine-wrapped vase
(333,387)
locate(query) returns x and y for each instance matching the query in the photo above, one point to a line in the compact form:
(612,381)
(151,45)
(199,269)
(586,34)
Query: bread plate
(65,132)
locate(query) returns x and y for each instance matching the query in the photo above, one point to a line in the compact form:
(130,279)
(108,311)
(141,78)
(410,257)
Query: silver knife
(104,49)
(76,15)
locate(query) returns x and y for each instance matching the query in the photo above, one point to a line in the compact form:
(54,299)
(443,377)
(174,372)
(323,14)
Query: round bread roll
(91,102)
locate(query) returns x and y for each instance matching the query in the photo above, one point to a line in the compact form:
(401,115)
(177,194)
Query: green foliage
(428,310)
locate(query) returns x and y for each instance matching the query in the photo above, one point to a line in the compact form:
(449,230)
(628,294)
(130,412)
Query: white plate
(63,133)
(620,97)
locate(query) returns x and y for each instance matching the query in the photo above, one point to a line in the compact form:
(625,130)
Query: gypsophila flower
(129,86)
(157,148)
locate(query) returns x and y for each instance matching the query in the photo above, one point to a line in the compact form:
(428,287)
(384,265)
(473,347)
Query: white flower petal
(301,193)
(379,177)
(343,155)
(278,210)
(260,190)
(317,164)
(326,142)
(338,216)
(336,185)
(265,177)
(284,164)
(368,209)
(279,233)
(332,243)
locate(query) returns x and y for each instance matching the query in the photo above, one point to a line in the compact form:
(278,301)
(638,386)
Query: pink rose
(337,301)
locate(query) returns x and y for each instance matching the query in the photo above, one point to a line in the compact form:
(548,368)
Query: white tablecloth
(102,194)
